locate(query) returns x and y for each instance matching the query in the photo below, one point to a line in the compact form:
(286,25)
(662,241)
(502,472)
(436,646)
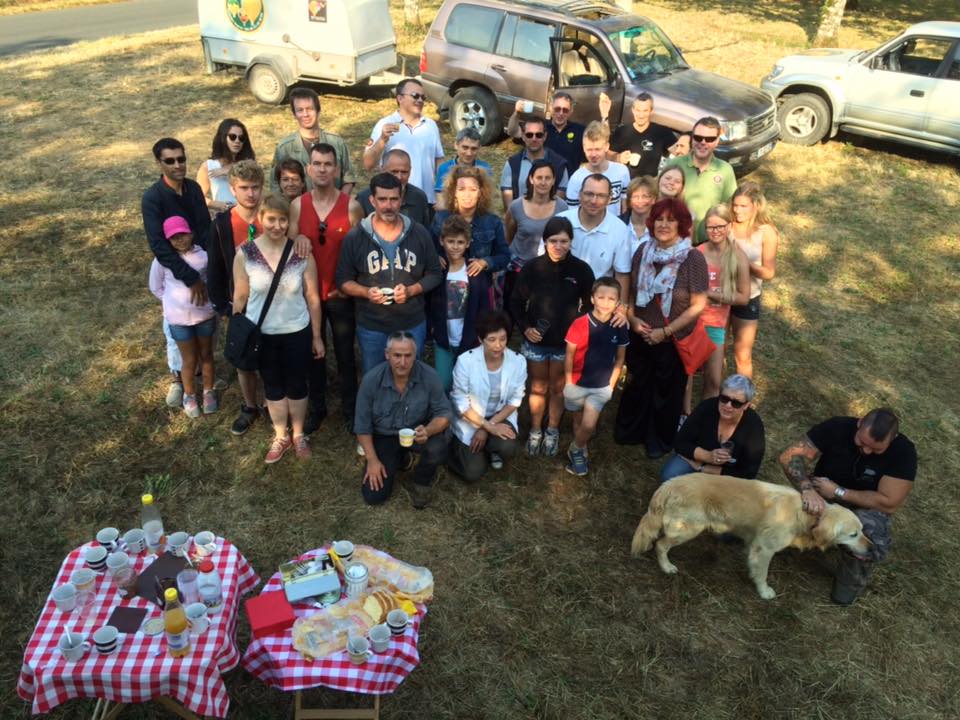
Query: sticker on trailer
(246,15)
(317,11)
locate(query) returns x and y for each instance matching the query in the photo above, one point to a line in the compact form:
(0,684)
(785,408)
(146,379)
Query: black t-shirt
(568,143)
(651,145)
(552,291)
(700,430)
(841,460)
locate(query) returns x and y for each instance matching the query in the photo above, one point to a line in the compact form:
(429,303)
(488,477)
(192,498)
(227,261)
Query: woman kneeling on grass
(722,436)
(192,327)
(488,387)
(550,292)
(291,328)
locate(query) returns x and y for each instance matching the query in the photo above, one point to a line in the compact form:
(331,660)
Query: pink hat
(175,225)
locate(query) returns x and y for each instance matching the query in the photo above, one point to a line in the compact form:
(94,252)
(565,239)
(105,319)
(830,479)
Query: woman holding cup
(551,291)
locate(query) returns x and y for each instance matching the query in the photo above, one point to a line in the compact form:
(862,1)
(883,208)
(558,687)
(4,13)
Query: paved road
(53,28)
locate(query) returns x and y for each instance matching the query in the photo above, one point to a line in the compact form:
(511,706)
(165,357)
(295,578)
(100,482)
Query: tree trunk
(831,15)
(411,12)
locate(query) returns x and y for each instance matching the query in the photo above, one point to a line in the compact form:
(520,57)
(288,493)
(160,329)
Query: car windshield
(646,51)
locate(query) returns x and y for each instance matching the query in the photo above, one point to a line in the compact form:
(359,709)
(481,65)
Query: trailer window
(473,27)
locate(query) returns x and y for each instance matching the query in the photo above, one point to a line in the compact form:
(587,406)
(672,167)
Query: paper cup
(406,437)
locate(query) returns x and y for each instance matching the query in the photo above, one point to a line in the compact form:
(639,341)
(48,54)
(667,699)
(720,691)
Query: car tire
(804,119)
(266,85)
(475,107)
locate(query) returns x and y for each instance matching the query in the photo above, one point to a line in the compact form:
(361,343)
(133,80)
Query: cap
(146,499)
(206,566)
(170,595)
(174,225)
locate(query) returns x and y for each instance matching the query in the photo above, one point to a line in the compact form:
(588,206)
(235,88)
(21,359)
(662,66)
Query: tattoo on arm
(796,466)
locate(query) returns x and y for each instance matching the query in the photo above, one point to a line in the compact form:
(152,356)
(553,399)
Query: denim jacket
(488,241)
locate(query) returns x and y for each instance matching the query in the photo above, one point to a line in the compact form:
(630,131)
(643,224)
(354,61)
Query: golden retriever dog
(767,517)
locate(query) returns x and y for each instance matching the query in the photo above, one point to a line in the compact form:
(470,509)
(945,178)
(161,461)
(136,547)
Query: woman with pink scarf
(668,291)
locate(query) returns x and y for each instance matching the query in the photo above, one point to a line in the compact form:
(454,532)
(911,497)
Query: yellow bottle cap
(147,499)
(170,594)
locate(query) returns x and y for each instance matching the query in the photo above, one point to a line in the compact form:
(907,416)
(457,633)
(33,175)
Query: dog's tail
(650,524)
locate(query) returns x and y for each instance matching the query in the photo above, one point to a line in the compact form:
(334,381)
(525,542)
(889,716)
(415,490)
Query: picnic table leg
(176,708)
(303,713)
(103,710)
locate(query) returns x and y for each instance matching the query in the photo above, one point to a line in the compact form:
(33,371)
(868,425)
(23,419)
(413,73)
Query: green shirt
(703,190)
(292,147)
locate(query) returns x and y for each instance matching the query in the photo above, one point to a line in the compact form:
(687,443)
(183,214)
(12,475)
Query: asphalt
(55,28)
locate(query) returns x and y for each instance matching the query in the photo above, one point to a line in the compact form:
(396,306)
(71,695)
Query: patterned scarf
(650,282)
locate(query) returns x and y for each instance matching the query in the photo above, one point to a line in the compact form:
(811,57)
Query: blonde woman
(758,238)
(641,195)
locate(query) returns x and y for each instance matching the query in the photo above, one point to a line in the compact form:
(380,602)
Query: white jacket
(471,388)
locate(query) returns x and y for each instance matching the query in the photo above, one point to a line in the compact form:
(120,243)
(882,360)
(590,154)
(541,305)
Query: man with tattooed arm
(865,464)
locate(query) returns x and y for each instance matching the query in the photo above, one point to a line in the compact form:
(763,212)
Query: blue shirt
(597,345)
(447,166)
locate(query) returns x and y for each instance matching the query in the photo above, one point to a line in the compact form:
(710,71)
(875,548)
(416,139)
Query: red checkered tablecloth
(140,669)
(276,662)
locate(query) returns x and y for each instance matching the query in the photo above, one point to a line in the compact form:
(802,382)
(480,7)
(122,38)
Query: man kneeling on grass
(595,353)
(401,394)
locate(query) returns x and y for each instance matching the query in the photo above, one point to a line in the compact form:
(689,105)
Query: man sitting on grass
(595,353)
(866,465)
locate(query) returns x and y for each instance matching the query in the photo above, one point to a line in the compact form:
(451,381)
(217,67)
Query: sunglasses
(179,160)
(561,109)
(735,404)
(416,96)
(234,137)
(705,138)
(533,134)
(323,233)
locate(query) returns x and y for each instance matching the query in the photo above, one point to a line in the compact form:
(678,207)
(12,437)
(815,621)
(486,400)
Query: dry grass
(540,612)
(15,7)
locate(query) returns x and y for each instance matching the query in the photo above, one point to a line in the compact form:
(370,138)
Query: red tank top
(337,226)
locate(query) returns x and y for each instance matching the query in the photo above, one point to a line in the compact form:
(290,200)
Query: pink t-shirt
(175,296)
(715,314)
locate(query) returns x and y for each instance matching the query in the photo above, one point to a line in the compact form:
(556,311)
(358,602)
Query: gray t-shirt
(529,235)
(493,401)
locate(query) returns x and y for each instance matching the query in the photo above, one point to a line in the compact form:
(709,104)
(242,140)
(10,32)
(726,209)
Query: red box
(269,614)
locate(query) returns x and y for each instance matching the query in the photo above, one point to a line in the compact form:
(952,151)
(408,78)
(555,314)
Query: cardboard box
(269,614)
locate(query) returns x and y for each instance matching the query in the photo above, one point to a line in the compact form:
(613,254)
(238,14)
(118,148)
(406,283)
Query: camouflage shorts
(876,526)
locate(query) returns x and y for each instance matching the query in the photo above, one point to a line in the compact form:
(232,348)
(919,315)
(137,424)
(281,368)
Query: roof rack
(574,7)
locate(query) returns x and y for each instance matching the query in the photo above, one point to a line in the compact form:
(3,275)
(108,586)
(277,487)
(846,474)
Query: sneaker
(578,465)
(551,442)
(420,495)
(301,447)
(534,439)
(175,395)
(190,406)
(245,419)
(851,579)
(278,447)
(496,462)
(210,402)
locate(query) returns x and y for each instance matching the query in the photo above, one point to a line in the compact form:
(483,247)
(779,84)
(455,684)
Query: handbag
(695,349)
(242,349)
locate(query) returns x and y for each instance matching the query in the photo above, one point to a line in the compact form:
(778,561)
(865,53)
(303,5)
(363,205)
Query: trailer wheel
(266,84)
(475,107)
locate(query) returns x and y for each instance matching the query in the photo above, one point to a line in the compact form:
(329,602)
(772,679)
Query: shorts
(750,311)
(185,333)
(285,364)
(575,396)
(542,353)
(717,334)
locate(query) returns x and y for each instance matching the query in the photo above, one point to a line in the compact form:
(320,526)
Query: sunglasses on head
(533,134)
(323,233)
(416,96)
(735,404)
(234,137)
(705,138)
(179,160)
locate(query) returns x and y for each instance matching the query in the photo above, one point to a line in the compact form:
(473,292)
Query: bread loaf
(381,602)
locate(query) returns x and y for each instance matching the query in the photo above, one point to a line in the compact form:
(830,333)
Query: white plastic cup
(634,159)
(406,437)
(528,106)
(187,585)
(197,617)
(65,597)
(380,638)
(72,646)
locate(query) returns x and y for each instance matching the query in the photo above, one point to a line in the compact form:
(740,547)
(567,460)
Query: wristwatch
(839,492)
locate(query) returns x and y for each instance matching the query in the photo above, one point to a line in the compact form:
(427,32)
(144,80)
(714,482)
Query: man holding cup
(401,409)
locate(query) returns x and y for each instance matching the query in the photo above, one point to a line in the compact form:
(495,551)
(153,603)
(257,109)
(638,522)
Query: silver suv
(481,56)
(907,90)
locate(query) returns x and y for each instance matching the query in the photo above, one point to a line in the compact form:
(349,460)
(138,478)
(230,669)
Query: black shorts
(285,364)
(750,311)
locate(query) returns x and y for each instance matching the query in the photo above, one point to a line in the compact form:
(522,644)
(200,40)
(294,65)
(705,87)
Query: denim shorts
(185,333)
(575,396)
(542,353)
(750,311)
(717,334)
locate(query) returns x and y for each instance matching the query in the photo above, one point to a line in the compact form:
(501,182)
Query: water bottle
(208,583)
(152,524)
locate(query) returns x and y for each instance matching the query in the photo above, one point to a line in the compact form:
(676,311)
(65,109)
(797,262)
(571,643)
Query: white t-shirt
(616,173)
(422,143)
(605,248)
(458,288)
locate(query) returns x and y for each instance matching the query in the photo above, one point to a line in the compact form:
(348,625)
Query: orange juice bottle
(175,624)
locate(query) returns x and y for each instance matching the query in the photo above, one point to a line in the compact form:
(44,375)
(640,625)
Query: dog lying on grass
(767,517)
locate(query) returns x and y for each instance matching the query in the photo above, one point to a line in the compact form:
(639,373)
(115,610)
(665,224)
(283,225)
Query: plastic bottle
(152,524)
(175,624)
(211,591)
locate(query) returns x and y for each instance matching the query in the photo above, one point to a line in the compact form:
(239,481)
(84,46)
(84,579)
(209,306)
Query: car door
(583,69)
(891,92)
(520,66)
(943,111)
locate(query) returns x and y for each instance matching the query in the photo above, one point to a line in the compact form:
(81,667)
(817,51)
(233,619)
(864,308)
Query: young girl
(453,307)
(191,326)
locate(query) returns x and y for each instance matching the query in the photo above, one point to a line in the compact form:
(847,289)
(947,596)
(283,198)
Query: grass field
(539,612)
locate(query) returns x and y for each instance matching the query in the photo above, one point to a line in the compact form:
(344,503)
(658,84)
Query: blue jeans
(373,344)
(674,467)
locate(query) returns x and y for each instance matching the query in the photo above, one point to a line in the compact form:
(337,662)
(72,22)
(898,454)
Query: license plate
(760,152)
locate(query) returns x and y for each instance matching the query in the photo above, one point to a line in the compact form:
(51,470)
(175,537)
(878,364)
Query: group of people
(619,248)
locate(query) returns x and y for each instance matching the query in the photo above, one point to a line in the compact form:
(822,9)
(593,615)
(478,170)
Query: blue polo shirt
(596,354)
